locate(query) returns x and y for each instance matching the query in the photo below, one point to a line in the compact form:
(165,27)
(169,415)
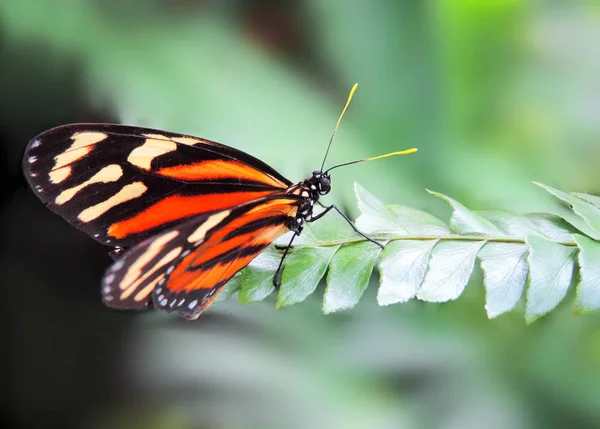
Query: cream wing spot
(165,260)
(82,145)
(86,138)
(144,293)
(153,147)
(135,270)
(70,156)
(190,141)
(127,193)
(198,235)
(110,173)
(57,176)
(157,136)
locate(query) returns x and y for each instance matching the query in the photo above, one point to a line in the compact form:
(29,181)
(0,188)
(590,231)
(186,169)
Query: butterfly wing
(123,184)
(185,268)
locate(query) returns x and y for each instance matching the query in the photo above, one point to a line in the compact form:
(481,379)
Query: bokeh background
(494,93)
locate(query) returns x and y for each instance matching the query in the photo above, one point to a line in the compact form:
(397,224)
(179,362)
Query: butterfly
(184,214)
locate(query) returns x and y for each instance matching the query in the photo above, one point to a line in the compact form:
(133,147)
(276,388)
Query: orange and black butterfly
(183,214)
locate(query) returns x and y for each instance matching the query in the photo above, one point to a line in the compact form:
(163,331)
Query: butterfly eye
(324,184)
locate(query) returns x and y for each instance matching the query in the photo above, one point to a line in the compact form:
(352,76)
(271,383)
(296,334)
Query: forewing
(123,184)
(185,268)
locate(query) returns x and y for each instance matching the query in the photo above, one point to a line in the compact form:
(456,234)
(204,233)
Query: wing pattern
(184,268)
(123,184)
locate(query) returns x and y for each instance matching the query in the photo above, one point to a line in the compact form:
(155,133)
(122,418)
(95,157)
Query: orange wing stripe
(268,209)
(182,280)
(219,169)
(177,207)
(217,274)
(238,241)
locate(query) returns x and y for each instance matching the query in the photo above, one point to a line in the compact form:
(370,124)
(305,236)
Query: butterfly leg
(336,208)
(279,272)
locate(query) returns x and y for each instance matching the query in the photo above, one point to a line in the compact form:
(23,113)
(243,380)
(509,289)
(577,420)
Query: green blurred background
(494,93)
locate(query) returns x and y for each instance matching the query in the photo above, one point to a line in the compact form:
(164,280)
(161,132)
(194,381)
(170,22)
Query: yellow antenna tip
(337,124)
(402,152)
(345,107)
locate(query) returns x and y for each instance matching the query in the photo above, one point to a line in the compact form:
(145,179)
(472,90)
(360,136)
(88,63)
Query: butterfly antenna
(338,123)
(402,152)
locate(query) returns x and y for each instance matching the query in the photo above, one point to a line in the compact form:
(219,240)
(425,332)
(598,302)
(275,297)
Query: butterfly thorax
(310,190)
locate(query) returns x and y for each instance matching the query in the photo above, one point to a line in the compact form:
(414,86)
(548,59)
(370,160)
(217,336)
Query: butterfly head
(321,182)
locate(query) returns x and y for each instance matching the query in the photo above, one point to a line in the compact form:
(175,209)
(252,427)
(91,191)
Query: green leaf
(550,274)
(592,199)
(331,227)
(232,286)
(304,268)
(257,277)
(402,267)
(348,276)
(505,270)
(514,225)
(418,222)
(450,267)
(394,220)
(464,221)
(555,228)
(375,217)
(588,290)
(549,226)
(588,212)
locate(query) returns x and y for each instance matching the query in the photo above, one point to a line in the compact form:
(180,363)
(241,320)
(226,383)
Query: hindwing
(185,268)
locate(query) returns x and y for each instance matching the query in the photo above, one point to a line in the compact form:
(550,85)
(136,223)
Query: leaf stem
(451,237)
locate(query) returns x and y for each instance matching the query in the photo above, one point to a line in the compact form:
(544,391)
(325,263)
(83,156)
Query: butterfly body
(183,214)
